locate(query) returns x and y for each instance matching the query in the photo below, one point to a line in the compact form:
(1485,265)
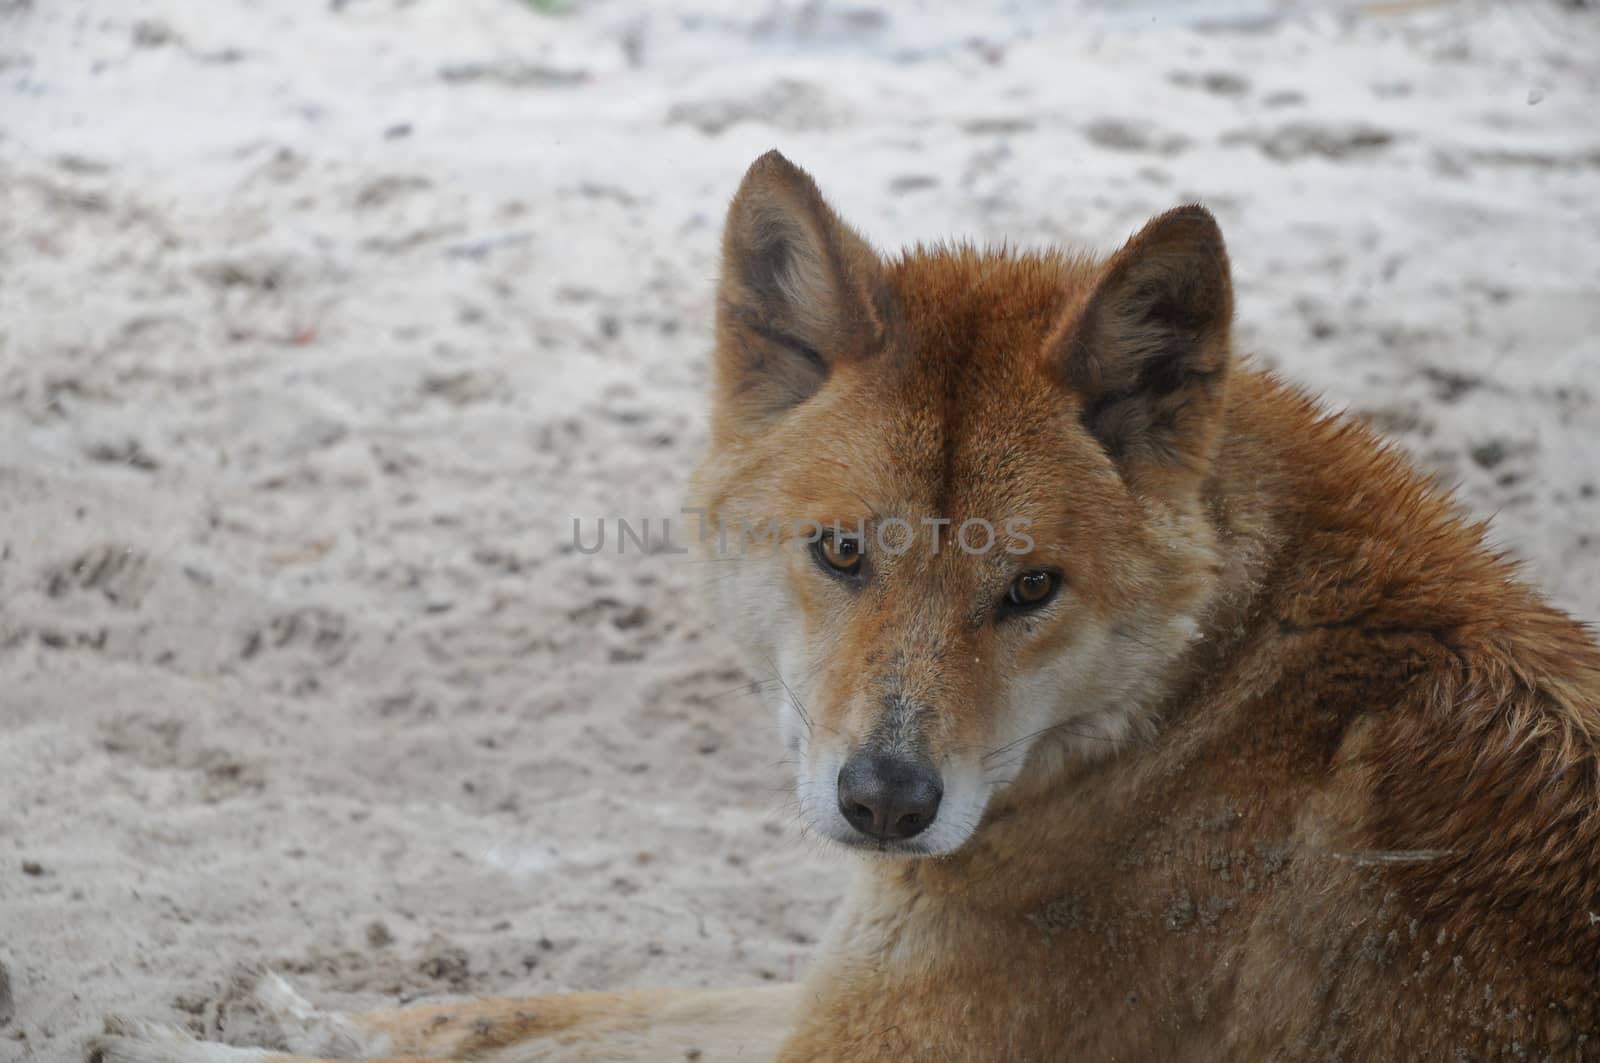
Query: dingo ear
(800,292)
(1148,352)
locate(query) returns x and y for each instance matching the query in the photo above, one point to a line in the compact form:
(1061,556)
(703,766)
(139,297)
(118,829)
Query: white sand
(319,323)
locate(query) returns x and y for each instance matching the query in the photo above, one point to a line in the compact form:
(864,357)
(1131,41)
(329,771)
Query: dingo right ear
(1148,354)
(799,292)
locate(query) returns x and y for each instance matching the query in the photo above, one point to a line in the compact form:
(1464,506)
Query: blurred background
(320,323)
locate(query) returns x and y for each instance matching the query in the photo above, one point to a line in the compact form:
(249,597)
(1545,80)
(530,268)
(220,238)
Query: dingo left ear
(1148,352)
(799,292)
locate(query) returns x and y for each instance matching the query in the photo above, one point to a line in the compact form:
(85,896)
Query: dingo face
(953,501)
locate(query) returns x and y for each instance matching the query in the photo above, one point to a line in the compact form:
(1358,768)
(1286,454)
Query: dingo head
(953,500)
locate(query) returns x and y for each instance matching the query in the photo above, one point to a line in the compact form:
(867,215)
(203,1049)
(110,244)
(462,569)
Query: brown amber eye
(1032,588)
(842,553)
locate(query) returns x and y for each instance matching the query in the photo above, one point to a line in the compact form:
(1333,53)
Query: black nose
(889,797)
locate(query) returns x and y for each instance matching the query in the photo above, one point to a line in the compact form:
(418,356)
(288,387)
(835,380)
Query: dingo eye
(840,553)
(1031,590)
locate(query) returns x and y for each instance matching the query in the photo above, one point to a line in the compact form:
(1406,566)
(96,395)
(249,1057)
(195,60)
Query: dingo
(1252,749)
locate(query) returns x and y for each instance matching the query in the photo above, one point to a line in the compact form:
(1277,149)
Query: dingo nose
(889,797)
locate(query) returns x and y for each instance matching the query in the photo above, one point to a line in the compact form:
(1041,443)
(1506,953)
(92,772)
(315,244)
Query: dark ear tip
(773,163)
(1190,221)
(773,174)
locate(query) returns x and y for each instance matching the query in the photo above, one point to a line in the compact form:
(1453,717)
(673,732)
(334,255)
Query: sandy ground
(321,322)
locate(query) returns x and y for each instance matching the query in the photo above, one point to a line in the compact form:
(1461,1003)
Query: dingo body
(1252,750)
